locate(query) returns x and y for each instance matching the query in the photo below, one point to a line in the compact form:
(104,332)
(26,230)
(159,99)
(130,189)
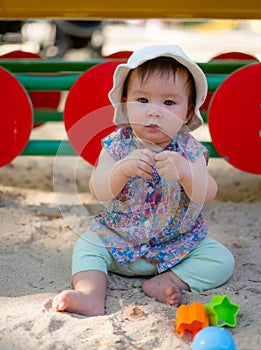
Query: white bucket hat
(147,53)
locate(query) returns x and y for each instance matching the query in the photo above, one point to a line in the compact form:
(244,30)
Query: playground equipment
(235,132)
(85,81)
(116,9)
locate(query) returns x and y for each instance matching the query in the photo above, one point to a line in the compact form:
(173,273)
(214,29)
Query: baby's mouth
(153,126)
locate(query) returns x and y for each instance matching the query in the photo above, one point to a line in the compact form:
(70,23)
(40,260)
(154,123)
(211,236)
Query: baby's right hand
(138,163)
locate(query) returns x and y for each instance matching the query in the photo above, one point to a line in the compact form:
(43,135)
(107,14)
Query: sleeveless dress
(152,219)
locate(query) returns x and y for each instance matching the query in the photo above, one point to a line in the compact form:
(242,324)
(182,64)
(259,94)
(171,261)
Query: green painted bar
(215,81)
(41,116)
(44,83)
(47,66)
(48,148)
(64,148)
(52,66)
(223,66)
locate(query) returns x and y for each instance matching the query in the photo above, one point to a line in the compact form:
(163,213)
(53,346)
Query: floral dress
(152,219)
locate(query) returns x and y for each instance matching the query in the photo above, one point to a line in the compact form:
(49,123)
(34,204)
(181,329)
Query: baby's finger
(143,169)
(149,155)
(145,166)
(160,156)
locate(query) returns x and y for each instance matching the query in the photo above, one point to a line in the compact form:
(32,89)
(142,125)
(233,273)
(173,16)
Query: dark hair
(164,66)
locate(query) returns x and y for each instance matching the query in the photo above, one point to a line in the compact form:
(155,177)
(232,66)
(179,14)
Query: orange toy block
(191,318)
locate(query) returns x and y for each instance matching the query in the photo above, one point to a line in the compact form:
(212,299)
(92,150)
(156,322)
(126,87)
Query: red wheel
(88,113)
(234,55)
(235,119)
(120,54)
(16,117)
(40,99)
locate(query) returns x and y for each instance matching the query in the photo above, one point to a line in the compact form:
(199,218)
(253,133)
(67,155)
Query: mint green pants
(207,266)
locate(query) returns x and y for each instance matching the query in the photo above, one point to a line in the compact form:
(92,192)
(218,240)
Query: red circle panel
(16,117)
(234,119)
(40,99)
(233,56)
(88,113)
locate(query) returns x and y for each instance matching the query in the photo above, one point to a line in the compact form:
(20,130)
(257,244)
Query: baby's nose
(154,110)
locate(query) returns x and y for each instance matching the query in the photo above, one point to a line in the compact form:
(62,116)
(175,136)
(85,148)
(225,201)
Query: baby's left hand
(170,165)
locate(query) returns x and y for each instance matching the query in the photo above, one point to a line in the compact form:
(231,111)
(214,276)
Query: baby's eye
(142,100)
(169,102)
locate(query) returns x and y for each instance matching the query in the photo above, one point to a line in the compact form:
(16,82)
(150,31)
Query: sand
(39,225)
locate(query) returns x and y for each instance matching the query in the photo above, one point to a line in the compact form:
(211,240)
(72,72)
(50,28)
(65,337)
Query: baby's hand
(170,165)
(138,163)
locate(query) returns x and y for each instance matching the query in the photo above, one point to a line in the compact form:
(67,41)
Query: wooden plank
(127,9)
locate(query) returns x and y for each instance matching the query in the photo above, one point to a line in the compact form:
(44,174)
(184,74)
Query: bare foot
(88,296)
(78,302)
(165,287)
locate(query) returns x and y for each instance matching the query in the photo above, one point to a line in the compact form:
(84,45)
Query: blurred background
(79,40)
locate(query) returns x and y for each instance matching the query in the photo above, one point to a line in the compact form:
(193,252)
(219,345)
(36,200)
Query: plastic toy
(191,318)
(213,338)
(221,311)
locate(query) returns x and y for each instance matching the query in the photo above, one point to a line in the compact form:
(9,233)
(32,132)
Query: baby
(153,181)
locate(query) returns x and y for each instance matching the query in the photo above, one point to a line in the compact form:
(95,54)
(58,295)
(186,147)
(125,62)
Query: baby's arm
(197,182)
(110,176)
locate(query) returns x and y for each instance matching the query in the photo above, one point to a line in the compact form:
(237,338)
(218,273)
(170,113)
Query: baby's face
(157,108)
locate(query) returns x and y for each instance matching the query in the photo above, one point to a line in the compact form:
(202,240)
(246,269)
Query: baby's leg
(89,268)
(207,266)
(88,296)
(165,287)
